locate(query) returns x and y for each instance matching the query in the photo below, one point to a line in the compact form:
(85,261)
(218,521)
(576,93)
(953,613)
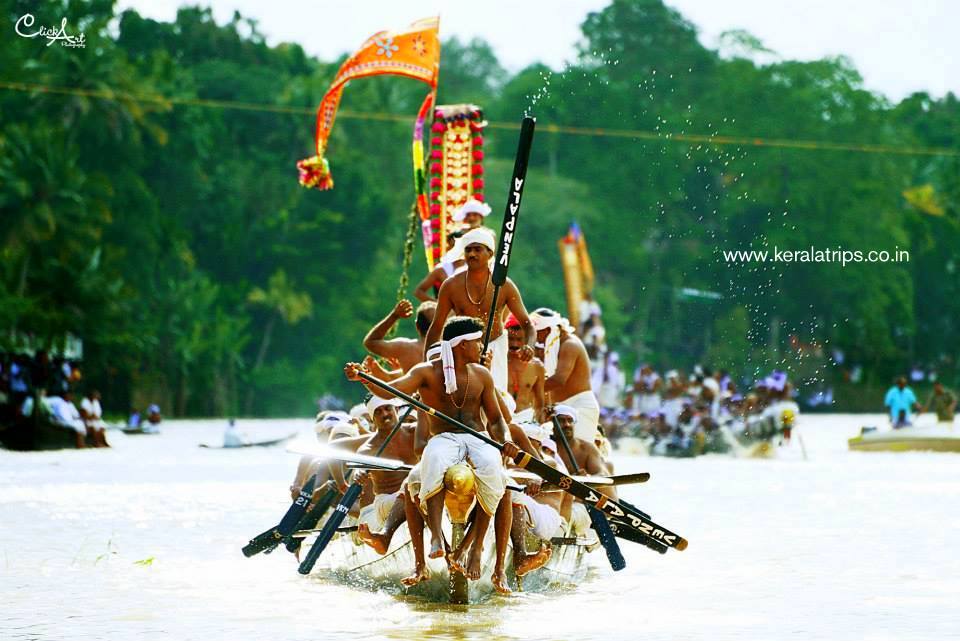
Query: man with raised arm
(406,352)
(568,370)
(457,385)
(470,293)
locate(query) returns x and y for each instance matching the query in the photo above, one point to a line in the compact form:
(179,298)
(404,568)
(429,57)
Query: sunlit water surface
(143,541)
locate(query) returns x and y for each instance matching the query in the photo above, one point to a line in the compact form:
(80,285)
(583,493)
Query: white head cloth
(565,410)
(479,236)
(551,345)
(446,357)
(455,253)
(534,430)
(375,402)
(472,206)
(434,352)
(326,421)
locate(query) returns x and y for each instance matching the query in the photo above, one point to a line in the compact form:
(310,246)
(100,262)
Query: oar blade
(330,527)
(607,539)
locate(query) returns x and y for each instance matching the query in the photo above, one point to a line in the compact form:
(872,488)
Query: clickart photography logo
(25,29)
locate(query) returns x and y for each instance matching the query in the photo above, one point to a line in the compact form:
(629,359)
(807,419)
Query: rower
(525,378)
(568,369)
(459,386)
(333,428)
(383,512)
(406,352)
(450,263)
(470,293)
(536,511)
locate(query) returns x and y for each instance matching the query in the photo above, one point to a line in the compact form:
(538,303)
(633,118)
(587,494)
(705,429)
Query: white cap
(472,206)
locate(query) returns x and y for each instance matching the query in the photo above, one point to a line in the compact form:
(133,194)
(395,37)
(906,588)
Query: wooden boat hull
(939,439)
(360,564)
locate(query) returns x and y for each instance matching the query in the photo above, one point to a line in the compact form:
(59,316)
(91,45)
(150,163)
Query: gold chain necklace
(466,288)
(466,388)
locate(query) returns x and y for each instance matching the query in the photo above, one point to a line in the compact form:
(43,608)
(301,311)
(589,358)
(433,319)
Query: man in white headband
(472,213)
(380,518)
(470,293)
(586,460)
(460,387)
(568,369)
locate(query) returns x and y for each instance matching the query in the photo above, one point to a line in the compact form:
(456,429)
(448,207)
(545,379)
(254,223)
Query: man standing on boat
(470,293)
(944,403)
(568,370)
(900,399)
(456,385)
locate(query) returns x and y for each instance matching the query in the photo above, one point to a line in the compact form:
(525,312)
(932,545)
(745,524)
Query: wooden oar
(343,508)
(632,517)
(599,522)
(272,537)
(313,515)
(511,212)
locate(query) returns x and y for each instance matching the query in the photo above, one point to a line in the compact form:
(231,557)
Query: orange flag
(413,52)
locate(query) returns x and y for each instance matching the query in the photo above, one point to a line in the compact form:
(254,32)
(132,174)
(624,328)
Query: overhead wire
(633,134)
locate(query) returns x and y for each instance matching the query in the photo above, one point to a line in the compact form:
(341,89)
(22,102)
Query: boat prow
(939,438)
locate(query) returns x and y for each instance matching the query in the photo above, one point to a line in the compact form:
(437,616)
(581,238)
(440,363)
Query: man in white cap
(470,293)
(472,214)
(568,369)
(381,511)
(458,386)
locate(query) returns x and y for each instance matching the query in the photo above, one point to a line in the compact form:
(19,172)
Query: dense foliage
(172,237)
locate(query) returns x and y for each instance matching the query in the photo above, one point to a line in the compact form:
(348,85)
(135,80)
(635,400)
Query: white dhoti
(547,522)
(498,366)
(588,414)
(375,514)
(447,449)
(579,520)
(524,416)
(648,403)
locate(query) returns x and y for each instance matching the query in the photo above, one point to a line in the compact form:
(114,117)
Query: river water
(143,542)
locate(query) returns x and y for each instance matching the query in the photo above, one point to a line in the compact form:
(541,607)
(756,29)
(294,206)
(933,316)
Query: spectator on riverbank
(92,414)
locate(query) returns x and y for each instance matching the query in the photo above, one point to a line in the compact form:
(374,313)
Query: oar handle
(429,410)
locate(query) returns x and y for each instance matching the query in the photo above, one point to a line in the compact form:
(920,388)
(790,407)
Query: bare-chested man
(568,369)
(382,501)
(449,264)
(405,352)
(460,387)
(524,378)
(470,293)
